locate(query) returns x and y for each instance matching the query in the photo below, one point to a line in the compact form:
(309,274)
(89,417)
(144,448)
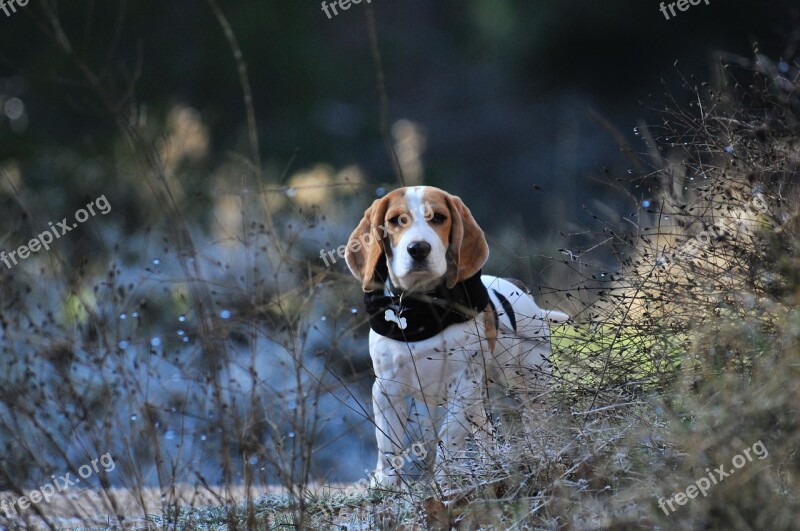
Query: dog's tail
(551,316)
(554,316)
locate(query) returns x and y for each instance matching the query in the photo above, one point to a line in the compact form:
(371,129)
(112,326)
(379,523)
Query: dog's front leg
(390,410)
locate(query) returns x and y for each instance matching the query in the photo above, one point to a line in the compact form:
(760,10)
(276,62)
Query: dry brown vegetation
(232,359)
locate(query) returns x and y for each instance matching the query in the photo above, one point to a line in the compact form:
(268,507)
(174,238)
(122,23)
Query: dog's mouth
(419,277)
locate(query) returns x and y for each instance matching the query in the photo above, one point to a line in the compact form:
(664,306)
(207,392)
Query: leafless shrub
(216,364)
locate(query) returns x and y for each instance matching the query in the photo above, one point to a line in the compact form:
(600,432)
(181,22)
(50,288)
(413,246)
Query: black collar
(418,316)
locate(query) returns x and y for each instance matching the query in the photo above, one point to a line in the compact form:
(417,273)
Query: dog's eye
(394,221)
(438,218)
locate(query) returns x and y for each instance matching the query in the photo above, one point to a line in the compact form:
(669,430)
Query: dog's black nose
(419,250)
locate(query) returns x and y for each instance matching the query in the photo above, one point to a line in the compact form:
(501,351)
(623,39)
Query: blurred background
(527,110)
(485,99)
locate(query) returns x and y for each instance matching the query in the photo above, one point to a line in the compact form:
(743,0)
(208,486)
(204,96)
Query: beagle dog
(440,331)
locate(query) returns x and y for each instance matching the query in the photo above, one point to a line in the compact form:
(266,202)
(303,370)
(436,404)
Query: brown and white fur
(428,237)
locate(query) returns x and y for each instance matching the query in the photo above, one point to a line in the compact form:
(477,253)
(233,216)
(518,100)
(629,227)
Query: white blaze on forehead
(416,204)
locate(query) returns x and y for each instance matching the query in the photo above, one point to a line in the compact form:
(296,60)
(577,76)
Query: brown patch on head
(368,241)
(435,202)
(397,217)
(467,249)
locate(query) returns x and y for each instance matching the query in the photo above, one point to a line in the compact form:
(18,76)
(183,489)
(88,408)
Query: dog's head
(427,236)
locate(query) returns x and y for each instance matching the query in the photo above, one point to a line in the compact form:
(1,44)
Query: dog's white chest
(425,366)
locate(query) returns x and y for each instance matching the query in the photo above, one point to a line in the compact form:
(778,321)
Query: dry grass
(216,364)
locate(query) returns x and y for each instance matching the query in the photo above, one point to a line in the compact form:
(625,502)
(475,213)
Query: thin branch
(384,101)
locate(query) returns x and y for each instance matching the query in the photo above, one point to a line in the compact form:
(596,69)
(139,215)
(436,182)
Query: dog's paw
(380,479)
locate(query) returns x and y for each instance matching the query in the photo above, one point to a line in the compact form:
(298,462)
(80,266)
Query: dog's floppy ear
(365,246)
(468,250)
